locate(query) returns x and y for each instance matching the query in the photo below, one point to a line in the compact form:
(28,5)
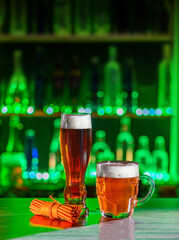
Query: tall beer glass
(75,141)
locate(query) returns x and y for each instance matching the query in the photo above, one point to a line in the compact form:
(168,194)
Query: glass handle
(151,189)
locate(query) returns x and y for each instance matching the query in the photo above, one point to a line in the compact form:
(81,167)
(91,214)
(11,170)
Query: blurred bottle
(96,81)
(141,13)
(74,80)
(100,146)
(62,17)
(101,20)
(17,90)
(1,140)
(40,22)
(58,83)
(39,79)
(164,77)
(150,17)
(112,80)
(162,16)
(55,163)
(2,88)
(2,14)
(107,155)
(119,16)
(13,161)
(31,151)
(130,94)
(160,156)
(143,155)
(18,21)
(131,17)
(125,141)
(82,17)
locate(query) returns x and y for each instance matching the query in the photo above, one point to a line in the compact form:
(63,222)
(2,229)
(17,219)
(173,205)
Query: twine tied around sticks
(56,210)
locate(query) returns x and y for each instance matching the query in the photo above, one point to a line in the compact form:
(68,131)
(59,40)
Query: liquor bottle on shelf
(101,20)
(125,141)
(2,14)
(40,22)
(96,81)
(164,77)
(163,15)
(107,155)
(82,17)
(58,83)
(17,90)
(160,156)
(62,17)
(55,163)
(130,94)
(112,80)
(100,146)
(143,156)
(18,21)
(31,151)
(13,161)
(119,17)
(74,81)
(39,80)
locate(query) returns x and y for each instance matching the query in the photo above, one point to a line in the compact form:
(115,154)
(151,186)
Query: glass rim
(118,162)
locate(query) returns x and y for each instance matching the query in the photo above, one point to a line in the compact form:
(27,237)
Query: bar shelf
(86,39)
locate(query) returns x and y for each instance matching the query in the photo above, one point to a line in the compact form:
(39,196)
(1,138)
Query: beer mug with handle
(117,188)
(75,142)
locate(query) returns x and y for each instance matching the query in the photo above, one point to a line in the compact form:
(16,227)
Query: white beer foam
(72,121)
(117,171)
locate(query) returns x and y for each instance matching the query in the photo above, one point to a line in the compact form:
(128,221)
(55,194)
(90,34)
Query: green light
(31,174)
(120,111)
(56,109)
(81,110)
(49,110)
(35,161)
(88,110)
(139,112)
(93,173)
(4,110)
(158,112)
(30,110)
(135,94)
(145,112)
(45,176)
(159,176)
(100,111)
(17,108)
(109,109)
(166,177)
(169,111)
(151,112)
(39,176)
(68,109)
(100,94)
(25,175)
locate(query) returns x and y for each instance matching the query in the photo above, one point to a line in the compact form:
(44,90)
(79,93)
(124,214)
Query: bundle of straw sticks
(56,210)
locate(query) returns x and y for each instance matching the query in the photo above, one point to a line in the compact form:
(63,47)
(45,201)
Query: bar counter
(158,219)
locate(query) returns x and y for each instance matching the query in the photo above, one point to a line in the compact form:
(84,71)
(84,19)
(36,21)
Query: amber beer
(117,188)
(75,141)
